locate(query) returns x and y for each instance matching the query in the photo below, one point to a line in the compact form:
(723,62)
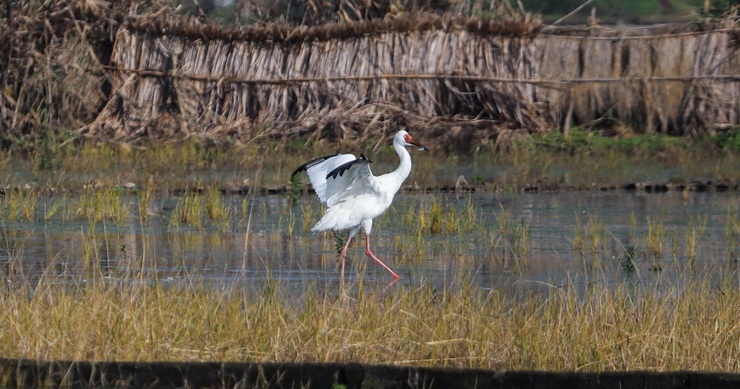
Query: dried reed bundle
(51,74)
(282,32)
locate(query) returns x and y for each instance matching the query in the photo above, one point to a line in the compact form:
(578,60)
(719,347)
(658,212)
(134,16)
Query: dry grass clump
(599,329)
(50,66)
(321,11)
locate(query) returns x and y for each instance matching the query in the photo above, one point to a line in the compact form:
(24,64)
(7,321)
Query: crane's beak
(411,141)
(417,144)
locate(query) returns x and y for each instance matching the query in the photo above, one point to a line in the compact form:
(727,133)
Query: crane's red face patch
(408,139)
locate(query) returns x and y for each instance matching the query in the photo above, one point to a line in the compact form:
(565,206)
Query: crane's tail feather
(337,218)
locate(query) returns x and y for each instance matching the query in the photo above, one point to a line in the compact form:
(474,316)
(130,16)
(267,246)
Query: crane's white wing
(351,180)
(319,168)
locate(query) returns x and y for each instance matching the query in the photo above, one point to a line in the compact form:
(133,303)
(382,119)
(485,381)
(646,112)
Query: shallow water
(512,242)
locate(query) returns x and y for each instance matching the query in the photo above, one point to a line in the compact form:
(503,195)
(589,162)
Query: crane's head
(404,138)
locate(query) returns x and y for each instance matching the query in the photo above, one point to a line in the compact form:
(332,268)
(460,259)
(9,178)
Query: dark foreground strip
(26,373)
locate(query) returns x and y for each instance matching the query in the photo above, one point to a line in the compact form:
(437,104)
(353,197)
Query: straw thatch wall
(329,80)
(351,80)
(114,72)
(669,79)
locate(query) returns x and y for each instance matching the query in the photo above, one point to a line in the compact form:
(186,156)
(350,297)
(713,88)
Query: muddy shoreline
(540,187)
(646,187)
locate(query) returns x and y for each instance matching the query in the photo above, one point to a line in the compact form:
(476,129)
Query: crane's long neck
(404,168)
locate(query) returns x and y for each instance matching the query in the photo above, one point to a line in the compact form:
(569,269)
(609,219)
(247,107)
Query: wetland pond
(509,242)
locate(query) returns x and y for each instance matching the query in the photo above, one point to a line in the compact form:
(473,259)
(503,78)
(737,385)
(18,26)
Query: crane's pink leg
(344,259)
(370,254)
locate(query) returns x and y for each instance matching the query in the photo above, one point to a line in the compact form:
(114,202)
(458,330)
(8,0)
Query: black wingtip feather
(311,163)
(339,171)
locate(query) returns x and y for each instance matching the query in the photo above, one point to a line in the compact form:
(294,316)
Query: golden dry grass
(601,329)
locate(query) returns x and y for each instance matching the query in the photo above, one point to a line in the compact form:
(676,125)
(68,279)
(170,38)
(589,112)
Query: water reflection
(512,243)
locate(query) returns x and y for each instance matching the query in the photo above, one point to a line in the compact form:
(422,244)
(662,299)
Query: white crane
(353,195)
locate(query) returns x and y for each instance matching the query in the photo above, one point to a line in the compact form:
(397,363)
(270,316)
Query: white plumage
(353,195)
